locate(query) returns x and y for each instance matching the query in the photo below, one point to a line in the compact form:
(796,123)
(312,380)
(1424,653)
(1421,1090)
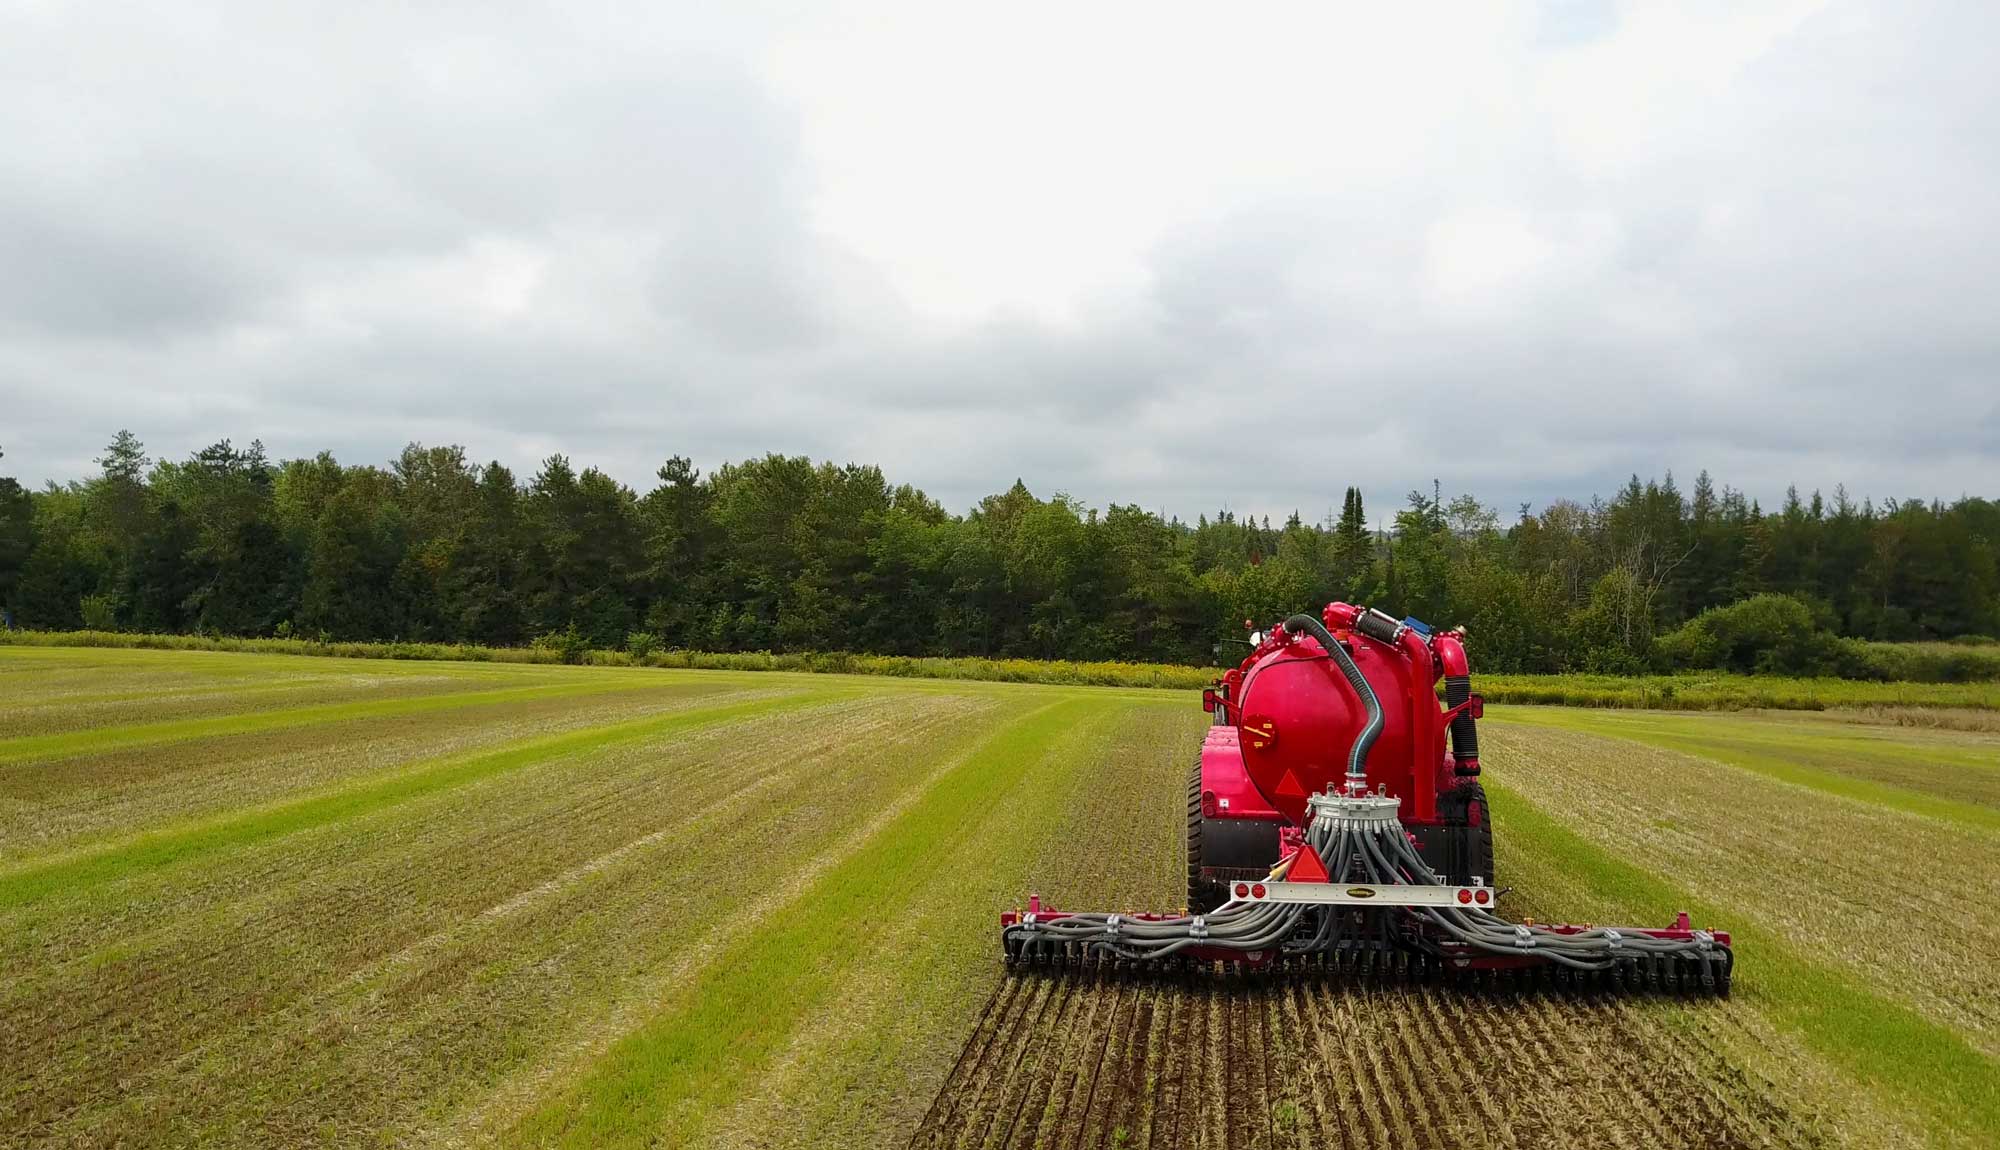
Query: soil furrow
(1226,1061)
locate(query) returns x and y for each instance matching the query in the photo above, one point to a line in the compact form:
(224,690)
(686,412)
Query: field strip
(1876,1041)
(456,997)
(1828,782)
(43,717)
(506,1103)
(29,884)
(1852,885)
(906,1003)
(657,1080)
(41,748)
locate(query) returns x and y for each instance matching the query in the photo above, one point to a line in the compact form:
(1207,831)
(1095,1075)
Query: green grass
(1692,691)
(1721,691)
(448,943)
(102,740)
(653,1084)
(1056,672)
(102,863)
(1785,754)
(1910,1059)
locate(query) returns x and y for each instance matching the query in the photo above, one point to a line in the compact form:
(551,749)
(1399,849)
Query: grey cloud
(67,277)
(531,232)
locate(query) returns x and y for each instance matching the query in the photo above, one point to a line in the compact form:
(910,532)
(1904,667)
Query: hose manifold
(1365,810)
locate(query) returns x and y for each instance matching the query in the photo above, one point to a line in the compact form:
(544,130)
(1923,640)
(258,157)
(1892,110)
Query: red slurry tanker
(1336,820)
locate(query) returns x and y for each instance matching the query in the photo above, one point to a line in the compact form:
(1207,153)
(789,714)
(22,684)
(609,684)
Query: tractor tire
(1458,806)
(1204,894)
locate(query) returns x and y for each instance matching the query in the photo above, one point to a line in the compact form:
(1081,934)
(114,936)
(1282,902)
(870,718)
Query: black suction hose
(1464,735)
(1357,759)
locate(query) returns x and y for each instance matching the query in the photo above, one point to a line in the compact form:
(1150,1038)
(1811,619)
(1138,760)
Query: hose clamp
(1523,937)
(1200,927)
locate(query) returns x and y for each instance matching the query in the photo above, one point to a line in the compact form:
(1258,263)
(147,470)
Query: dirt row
(1085,1060)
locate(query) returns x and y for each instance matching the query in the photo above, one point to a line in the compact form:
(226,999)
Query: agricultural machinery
(1330,827)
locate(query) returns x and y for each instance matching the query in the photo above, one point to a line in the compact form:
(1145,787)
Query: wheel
(1204,894)
(1461,803)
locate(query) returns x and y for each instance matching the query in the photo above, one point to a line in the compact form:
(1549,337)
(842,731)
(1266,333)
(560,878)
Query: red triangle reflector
(1306,866)
(1289,786)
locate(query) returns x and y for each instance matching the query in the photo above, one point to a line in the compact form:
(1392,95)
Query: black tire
(1457,806)
(1204,894)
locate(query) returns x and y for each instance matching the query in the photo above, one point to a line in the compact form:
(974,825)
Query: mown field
(262,900)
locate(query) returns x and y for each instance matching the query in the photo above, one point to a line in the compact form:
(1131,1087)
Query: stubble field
(270,901)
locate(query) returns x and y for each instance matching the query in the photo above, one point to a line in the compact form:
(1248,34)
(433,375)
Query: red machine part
(1297,719)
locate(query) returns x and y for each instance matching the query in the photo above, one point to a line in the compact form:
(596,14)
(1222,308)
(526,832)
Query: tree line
(782,553)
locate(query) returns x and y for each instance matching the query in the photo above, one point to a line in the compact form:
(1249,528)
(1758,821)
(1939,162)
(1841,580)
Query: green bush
(1763,635)
(1945,662)
(640,644)
(100,612)
(569,644)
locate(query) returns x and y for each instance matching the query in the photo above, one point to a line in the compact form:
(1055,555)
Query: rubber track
(1086,1059)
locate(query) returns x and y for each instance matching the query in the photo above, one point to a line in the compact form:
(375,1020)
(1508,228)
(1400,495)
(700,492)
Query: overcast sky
(1220,255)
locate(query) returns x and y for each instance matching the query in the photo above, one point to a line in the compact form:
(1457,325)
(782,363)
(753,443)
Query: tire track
(1229,1061)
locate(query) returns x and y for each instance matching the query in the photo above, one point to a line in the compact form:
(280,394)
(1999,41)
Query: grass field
(262,900)
(1969,699)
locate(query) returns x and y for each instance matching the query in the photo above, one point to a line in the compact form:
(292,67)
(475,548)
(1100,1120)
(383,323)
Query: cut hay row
(1850,885)
(70,875)
(660,1082)
(1827,1021)
(1945,774)
(629,917)
(130,708)
(893,1029)
(454,898)
(59,807)
(43,749)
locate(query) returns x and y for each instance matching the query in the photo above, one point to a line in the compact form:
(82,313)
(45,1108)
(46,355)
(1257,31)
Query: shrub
(100,612)
(569,644)
(1764,634)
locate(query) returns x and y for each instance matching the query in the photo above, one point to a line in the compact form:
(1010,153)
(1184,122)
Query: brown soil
(1085,1060)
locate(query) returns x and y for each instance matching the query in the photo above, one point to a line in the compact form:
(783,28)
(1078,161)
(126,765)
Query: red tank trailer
(1336,820)
(1285,723)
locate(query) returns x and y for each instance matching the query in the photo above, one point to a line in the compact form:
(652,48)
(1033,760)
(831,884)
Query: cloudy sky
(1185,257)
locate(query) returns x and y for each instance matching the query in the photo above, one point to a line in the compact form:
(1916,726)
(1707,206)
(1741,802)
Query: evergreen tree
(785,553)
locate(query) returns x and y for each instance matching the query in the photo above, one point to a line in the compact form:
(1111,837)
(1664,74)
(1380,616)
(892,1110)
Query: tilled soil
(1069,1060)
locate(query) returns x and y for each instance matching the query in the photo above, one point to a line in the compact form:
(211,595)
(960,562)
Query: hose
(1357,757)
(1381,855)
(1464,734)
